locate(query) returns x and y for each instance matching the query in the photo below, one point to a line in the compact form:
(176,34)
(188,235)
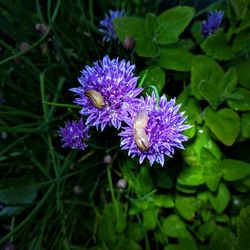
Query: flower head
(107,27)
(211,25)
(108,92)
(154,131)
(74,135)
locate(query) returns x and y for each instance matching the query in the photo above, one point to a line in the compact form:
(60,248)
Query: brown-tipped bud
(129,43)
(122,184)
(41,28)
(107,159)
(24,46)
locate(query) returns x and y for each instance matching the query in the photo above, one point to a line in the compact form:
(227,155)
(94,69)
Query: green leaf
(151,24)
(206,228)
(106,230)
(172,23)
(150,217)
(233,170)
(217,47)
(135,232)
(175,59)
(222,239)
(187,206)
(163,200)
(145,182)
(186,189)
(163,180)
(220,199)
(121,221)
(196,32)
(243,72)
(155,76)
(225,124)
(206,76)
(191,176)
(173,226)
(17,194)
(239,8)
(135,27)
(245,125)
(240,100)
(222,218)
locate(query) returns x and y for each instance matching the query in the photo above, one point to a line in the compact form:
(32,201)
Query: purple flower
(106,25)
(154,131)
(211,25)
(74,135)
(108,92)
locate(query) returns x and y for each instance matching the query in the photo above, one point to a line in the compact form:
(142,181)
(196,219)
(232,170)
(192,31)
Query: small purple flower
(211,25)
(108,92)
(107,27)
(74,135)
(154,131)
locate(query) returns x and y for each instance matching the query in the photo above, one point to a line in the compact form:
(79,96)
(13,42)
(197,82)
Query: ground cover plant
(125,125)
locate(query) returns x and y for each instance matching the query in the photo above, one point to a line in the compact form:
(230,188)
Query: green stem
(110,182)
(143,79)
(156,94)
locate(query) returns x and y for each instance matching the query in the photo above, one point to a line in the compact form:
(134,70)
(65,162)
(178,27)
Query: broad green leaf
(106,230)
(163,200)
(134,231)
(206,72)
(243,72)
(220,199)
(175,59)
(145,182)
(222,239)
(233,170)
(185,188)
(173,226)
(150,217)
(245,125)
(222,218)
(240,100)
(17,194)
(206,228)
(155,76)
(151,24)
(187,206)
(241,42)
(187,241)
(225,124)
(191,176)
(196,32)
(240,8)
(135,27)
(172,23)
(121,220)
(217,47)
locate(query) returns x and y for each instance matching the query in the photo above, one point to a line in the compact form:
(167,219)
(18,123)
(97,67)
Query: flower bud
(41,28)
(122,184)
(129,43)
(107,159)
(78,189)
(24,46)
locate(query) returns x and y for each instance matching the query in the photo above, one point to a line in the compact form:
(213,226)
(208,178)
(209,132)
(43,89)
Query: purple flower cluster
(107,27)
(74,135)
(108,96)
(160,127)
(212,24)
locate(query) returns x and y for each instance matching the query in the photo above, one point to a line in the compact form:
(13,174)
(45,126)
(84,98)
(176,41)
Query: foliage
(54,198)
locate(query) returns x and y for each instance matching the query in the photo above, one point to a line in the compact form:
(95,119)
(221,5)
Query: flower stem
(110,182)
(143,79)
(157,97)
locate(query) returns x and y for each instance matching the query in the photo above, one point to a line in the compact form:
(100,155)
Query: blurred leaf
(135,27)
(106,231)
(134,231)
(187,206)
(245,125)
(225,124)
(155,76)
(240,100)
(239,7)
(145,182)
(163,200)
(241,42)
(222,218)
(207,228)
(163,180)
(242,67)
(175,59)
(196,32)
(187,241)
(243,229)
(151,24)
(206,72)
(125,244)
(172,23)
(217,47)
(150,217)
(186,188)
(173,247)
(17,194)
(173,226)
(191,176)
(220,199)
(121,222)
(233,170)
(222,239)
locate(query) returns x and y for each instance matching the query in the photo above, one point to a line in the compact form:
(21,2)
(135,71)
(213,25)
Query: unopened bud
(41,28)
(129,43)
(107,159)
(122,184)
(24,46)
(78,189)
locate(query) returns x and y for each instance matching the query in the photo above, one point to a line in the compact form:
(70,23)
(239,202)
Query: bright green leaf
(225,124)
(172,23)
(150,217)
(240,100)
(245,125)
(173,226)
(163,200)
(151,24)
(121,220)
(233,170)
(191,176)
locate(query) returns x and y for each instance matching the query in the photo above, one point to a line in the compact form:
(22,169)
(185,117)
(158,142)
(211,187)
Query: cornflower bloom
(107,93)
(74,135)
(107,27)
(155,131)
(212,24)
